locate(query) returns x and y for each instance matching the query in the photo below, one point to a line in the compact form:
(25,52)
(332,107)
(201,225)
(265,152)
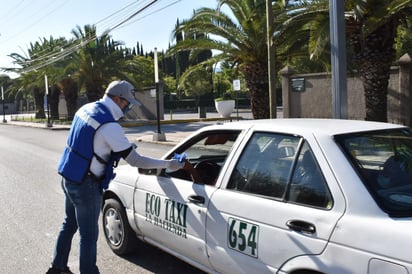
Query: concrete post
(405,100)
(286,73)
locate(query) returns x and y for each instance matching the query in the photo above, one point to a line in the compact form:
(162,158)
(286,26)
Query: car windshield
(383,160)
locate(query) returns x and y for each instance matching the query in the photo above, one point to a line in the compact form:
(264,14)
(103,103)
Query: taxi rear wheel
(117,231)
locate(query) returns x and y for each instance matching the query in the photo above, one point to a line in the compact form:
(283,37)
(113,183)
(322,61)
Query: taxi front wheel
(120,237)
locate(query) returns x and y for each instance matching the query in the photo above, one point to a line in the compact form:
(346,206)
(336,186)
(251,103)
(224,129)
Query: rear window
(383,159)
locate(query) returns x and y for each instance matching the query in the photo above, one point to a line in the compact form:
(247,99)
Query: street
(32,208)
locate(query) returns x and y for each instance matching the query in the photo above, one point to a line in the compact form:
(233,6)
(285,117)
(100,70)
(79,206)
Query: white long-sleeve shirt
(110,137)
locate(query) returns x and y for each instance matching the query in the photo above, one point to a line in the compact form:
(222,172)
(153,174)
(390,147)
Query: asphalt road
(32,209)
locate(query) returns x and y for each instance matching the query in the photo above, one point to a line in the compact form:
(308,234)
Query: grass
(32,119)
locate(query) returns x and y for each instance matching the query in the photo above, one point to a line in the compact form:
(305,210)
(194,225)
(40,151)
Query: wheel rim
(113,226)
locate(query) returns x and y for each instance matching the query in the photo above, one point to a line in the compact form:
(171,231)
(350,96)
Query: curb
(136,123)
(37,125)
(165,122)
(147,137)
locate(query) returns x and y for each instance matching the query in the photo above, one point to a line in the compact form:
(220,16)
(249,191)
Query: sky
(28,21)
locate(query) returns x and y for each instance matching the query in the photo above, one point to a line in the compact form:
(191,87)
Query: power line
(40,17)
(11,12)
(108,24)
(53,57)
(133,15)
(155,11)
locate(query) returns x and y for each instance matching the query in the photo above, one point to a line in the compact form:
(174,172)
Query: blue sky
(26,21)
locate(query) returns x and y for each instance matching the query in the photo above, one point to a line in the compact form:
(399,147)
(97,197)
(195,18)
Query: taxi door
(252,226)
(170,210)
(171,214)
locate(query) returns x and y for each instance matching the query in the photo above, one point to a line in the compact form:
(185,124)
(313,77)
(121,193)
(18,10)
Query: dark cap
(124,90)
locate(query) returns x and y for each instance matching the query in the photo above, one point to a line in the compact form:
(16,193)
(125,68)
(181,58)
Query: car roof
(303,126)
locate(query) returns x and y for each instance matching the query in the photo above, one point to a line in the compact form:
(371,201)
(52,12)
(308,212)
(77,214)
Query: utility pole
(271,60)
(158,136)
(338,59)
(46,98)
(4,110)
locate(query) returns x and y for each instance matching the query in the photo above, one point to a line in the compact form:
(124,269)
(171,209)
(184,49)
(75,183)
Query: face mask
(127,108)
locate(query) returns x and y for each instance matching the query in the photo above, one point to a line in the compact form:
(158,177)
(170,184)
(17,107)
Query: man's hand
(174,165)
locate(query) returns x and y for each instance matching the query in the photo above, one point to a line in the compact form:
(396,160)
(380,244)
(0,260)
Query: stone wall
(147,111)
(310,95)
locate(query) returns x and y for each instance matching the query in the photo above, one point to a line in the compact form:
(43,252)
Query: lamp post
(48,124)
(4,111)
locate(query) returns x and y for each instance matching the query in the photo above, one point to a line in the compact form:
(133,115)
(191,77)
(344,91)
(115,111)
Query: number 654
(243,236)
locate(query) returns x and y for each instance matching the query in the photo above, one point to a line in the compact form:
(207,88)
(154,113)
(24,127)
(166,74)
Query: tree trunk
(374,54)
(93,92)
(39,102)
(256,77)
(375,75)
(70,92)
(53,98)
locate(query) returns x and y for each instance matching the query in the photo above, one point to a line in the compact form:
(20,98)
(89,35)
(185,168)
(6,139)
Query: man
(94,143)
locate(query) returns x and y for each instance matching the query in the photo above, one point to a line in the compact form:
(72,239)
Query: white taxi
(275,196)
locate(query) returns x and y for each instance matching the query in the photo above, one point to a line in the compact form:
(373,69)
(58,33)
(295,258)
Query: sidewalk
(171,133)
(177,127)
(174,127)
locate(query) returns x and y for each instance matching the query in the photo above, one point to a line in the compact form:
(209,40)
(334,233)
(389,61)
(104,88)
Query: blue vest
(78,154)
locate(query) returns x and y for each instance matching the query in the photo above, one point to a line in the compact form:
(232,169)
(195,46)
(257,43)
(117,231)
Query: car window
(383,159)
(265,164)
(211,146)
(308,186)
(207,152)
(282,167)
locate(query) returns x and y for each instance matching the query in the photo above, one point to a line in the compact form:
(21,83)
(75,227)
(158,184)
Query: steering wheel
(208,171)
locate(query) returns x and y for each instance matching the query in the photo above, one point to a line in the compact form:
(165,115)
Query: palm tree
(239,39)
(140,70)
(371,29)
(93,65)
(70,90)
(99,61)
(33,70)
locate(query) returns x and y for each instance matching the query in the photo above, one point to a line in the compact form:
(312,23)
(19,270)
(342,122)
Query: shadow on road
(158,261)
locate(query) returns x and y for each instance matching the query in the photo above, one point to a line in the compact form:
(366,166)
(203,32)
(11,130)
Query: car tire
(117,231)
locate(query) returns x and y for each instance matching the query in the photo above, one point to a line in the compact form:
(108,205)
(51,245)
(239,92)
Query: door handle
(301,226)
(196,199)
